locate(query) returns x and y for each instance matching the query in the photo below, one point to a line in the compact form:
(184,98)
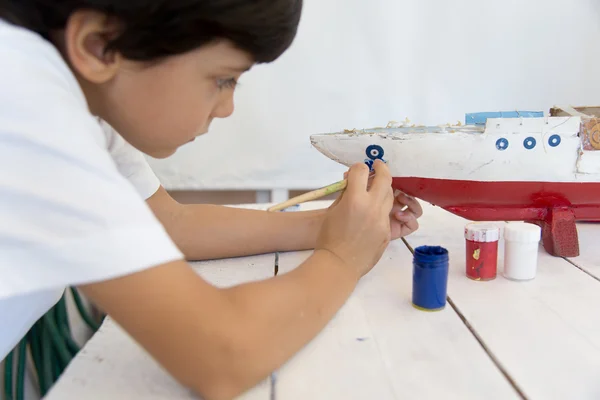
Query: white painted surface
(380,347)
(343,362)
(467,153)
(113,366)
(589,162)
(359,64)
(545,332)
(589,248)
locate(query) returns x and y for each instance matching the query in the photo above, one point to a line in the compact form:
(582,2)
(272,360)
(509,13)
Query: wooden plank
(544,332)
(589,250)
(343,362)
(379,347)
(113,366)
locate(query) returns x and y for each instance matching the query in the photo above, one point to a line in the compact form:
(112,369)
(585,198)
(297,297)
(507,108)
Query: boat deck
(413,129)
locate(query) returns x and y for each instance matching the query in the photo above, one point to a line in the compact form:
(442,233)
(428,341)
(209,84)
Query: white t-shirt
(72,191)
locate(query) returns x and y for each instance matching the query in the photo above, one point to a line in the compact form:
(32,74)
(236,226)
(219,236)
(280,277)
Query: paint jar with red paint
(481,250)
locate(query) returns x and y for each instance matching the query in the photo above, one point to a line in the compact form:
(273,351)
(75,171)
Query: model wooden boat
(505,167)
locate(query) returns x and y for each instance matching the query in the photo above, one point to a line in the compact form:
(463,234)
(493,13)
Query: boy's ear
(86,36)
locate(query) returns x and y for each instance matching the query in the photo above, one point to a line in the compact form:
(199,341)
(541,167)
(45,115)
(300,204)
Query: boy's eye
(227,83)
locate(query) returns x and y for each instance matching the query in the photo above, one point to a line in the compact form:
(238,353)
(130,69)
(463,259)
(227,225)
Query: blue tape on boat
(430,278)
(480,118)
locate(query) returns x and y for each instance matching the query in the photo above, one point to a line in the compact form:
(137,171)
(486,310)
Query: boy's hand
(357,228)
(402,222)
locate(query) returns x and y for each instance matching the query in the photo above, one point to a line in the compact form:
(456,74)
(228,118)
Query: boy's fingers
(413,204)
(358,176)
(399,208)
(409,222)
(370,182)
(382,182)
(410,227)
(404,216)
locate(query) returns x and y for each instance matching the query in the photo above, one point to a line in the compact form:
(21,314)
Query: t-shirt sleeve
(68,214)
(130,162)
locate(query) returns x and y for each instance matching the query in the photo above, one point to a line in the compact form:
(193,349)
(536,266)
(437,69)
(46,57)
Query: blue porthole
(554,140)
(501,144)
(529,143)
(375,152)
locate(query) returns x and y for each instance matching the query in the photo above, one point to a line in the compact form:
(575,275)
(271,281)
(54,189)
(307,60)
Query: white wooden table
(494,340)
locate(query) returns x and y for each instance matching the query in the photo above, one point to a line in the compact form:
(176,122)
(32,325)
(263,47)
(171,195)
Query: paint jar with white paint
(521,248)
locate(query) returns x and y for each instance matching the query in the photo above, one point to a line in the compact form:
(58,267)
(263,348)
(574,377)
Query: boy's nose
(224,109)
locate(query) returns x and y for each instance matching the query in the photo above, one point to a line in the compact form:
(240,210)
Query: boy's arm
(221,342)
(204,231)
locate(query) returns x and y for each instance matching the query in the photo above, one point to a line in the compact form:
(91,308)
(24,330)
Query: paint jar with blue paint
(430,278)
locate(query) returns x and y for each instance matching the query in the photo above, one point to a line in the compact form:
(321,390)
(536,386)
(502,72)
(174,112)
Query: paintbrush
(314,195)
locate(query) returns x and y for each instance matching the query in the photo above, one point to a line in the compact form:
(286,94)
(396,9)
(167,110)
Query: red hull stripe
(510,201)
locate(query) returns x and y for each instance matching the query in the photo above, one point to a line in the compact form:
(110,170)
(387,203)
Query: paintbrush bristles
(310,196)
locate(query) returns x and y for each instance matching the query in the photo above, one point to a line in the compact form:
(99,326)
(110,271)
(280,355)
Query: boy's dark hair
(152,29)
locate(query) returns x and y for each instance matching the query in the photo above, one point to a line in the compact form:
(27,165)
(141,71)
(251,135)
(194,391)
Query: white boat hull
(531,149)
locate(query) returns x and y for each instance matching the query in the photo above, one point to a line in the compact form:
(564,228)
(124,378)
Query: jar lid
(482,232)
(522,232)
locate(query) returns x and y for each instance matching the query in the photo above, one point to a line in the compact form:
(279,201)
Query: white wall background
(359,64)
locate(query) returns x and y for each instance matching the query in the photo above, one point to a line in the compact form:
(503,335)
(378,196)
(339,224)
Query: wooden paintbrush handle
(315,194)
(309,196)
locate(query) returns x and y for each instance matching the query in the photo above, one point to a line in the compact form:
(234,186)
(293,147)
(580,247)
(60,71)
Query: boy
(79,205)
